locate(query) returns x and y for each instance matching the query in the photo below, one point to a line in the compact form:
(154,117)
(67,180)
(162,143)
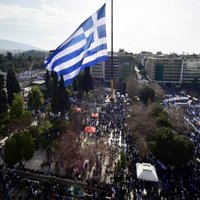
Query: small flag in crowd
(84,48)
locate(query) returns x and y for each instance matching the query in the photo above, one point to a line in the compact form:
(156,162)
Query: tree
(176,116)
(35,98)
(19,118)
(80,80)
(43,127)
(122,86)
(69,151)
(87,80)
(172,148)
(60,125)
(20,146)
(9,55)
(47,83)
(155,109)
(132,86)
(3,97)
(147,95)
(123,160)
(75,85)
(163,120)
(55,98)
(17,108)
(142,126)
(4,123)
(12,86)
(159,93)
(64,101)
(47,78)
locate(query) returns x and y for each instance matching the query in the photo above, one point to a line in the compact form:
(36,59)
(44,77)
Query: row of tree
(19,63)
(157,131)
(7,90)
(16,120)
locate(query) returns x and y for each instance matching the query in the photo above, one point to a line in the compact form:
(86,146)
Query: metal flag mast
(112,77)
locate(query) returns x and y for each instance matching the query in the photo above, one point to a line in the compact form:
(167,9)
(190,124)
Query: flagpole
(112,76)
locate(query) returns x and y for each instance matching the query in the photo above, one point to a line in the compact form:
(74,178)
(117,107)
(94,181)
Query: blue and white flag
(84,48)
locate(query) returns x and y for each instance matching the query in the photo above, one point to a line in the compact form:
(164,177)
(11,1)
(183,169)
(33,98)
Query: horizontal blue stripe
(85,25)
(79,63)
(67,57)
(70,43)
(96,49)
(73,41)
(70,69)
(94,62)
(74,54)
(69,82)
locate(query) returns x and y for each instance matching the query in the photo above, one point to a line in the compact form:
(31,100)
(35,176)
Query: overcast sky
(139,25)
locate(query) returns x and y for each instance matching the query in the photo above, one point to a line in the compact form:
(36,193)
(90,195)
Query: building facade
(173,69)
(164,69)
(190,71)
(122,67)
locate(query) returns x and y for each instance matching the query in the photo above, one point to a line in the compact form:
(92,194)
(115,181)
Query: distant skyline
(168,25)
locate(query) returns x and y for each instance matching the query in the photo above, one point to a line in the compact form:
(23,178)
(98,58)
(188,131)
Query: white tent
(3,141)
(146,172)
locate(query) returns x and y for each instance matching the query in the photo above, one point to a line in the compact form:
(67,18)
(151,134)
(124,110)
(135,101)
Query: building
(108,67)
(173,68)
(98,72)
(126,64)
(190,71)
(123,65)
(164,69)
(142,57)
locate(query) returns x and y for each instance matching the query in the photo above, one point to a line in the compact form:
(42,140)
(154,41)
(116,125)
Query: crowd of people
(183,182)
(114,182)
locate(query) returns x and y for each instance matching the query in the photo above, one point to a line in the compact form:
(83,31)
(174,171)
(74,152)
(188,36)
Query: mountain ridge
(10,45)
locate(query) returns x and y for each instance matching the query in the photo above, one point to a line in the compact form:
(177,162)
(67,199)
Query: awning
(77,109)
(90,129)
(95,115)
(146,172)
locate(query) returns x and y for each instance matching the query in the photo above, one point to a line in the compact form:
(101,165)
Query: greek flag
(84,48)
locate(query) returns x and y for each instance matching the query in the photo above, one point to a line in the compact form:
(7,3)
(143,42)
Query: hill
(35,53)
(12,45)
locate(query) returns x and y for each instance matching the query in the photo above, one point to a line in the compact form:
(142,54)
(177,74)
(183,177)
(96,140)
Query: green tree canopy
(88,85)
(64,101)
(3,97)
(35,98)
(9,55)
(123,160)
(163,120)
(12,86)
(19,118)
(75,85)
(60,125)
(44,126)
(17,108)
(4,123)
(156,109)
(20,146)
(172,148)
(55,94)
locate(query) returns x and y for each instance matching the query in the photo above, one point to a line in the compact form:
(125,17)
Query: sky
(139,25)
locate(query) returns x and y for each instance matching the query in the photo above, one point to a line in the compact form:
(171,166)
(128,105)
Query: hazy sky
(151,25)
